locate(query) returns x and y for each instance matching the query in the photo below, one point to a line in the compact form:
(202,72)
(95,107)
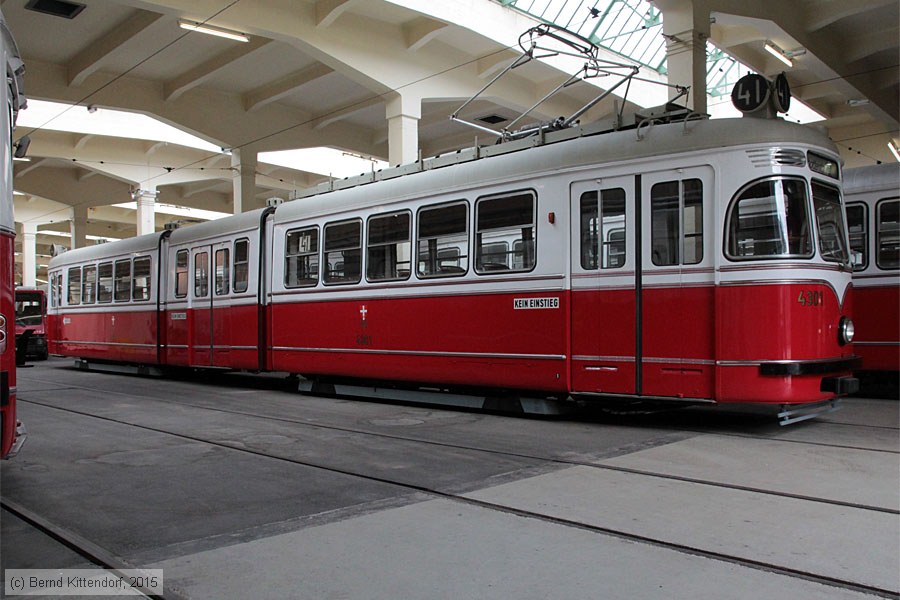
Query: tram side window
(887,240)
(677,222)
(54,288)
(74,286)
(443,240)
(89,284)
(123,281)
(140,280)
(770,219)
(500,222)
(603,218)
(222,272)
(830,223)
(241,265)
(858,228)
(181,273)
(105,282)
(343,252)
(201,275)
(301,261)
(388,253)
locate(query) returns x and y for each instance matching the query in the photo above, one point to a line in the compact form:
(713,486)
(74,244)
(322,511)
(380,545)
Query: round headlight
(845,331)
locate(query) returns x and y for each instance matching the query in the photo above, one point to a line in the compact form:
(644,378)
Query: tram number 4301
(811,298)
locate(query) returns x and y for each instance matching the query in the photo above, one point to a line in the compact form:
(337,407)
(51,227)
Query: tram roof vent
(666,112)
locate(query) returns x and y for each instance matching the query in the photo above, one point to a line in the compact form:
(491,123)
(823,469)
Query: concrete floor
(238,488)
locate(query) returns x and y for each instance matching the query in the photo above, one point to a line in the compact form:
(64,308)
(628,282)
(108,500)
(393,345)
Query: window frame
(477,239)
(69,289)
(865,234)
(682,237)
(205,269)
(245,280)
(309,282)
(84,284)
(324,272)
(877,250)
(117,278)
(149,288)
(111,288)
(600,243)
(466,232)
(369,246)
(187,273)
(732,206)
(222,277)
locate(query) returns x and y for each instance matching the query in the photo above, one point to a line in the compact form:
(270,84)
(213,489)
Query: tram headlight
(845,331)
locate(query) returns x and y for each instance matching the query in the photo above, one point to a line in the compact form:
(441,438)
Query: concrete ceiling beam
(89,60)
(285,86)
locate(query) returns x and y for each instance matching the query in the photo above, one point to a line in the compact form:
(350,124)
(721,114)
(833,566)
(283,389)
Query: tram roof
(136,245)
(573,148)
(224,226)
(885,176)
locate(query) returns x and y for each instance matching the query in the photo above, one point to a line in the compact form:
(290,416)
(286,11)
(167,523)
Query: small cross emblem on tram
(363,312)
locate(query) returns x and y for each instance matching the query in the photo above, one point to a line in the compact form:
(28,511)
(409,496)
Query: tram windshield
(29,308)
(770,219)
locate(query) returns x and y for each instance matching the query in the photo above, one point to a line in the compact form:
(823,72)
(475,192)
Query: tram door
(220,332)
(201,336)
(677,293)
(603,285)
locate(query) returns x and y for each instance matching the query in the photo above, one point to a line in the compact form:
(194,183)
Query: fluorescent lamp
(893,148)
(778,53)
(217,31)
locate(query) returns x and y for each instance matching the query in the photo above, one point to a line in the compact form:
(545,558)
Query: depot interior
(373,82)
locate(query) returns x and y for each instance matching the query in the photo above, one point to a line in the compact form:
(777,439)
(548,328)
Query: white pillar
(29,254)
(403,113)
(243,166)
(686,28)
(146,209)
(78,226)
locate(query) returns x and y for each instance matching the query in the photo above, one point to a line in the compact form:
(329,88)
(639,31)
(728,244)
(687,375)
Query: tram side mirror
(22,146)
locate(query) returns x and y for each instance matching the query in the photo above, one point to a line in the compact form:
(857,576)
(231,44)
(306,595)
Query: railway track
(544,459)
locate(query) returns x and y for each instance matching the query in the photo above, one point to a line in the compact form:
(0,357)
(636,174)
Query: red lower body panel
(877,320)
(461,340)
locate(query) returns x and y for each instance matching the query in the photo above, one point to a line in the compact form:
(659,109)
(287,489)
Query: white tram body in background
(690,261)
(872,195)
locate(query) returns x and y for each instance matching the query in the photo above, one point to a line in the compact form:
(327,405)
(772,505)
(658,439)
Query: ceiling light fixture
(778,53)
(893,148)
(211,30)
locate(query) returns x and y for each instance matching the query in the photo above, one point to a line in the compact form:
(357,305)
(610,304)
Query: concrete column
(146,209)
(29,254)
(243,165)
(403,113)
(78,226)
(686,29)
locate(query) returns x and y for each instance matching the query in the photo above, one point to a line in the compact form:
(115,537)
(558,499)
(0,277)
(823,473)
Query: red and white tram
(12,433)
(873,218)
(700,261)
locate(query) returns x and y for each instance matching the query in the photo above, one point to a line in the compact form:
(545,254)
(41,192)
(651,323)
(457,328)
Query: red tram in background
(12,433)
(873,217)
(690,261)
(31,323)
